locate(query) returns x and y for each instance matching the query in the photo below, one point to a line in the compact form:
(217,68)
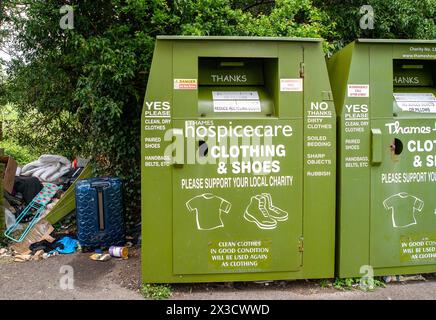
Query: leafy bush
(21,154)
(401,19)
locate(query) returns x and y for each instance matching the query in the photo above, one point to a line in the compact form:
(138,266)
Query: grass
(156,291)
(325,283)
(352,283)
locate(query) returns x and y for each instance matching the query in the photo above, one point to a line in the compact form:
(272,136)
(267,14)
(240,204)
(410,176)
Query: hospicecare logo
(238,131)
(396,128)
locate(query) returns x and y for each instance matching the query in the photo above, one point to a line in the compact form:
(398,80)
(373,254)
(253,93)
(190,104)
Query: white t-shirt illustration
(403,207)
(208,209)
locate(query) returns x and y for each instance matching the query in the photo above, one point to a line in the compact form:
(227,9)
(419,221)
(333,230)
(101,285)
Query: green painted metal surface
(67,203)
(238,161)
(384,93)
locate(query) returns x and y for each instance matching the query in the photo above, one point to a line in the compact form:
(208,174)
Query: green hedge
(21,154)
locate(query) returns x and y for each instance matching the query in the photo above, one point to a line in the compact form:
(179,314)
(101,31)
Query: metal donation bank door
(236,159)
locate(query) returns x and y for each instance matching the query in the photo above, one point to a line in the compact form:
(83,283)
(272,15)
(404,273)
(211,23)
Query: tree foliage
(80,91)
(393,19)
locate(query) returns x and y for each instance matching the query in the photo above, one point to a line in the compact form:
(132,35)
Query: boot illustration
(274,212)
(257,212)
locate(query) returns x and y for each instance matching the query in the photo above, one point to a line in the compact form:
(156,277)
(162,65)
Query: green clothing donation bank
(238,161)
(384,92)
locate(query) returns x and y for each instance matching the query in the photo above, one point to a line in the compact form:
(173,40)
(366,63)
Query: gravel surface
(114,279)
(120,280)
